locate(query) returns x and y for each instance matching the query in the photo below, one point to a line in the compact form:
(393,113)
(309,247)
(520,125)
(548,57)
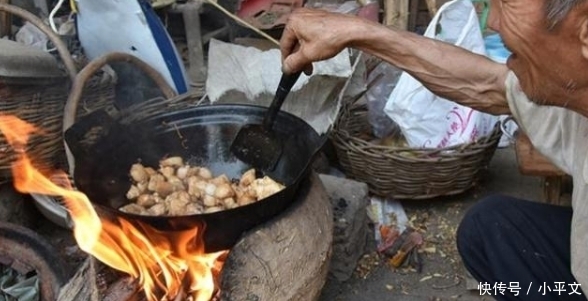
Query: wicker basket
(43,105)
(407,173)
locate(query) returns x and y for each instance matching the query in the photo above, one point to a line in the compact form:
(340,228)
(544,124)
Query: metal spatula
(257,144)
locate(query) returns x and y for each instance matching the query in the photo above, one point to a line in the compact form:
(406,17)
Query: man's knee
(479,218)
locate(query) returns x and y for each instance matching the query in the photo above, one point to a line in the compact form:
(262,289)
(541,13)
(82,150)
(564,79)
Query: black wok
(202,136)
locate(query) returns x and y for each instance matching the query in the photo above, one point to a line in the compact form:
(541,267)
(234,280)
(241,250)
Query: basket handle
(71,106)
(87,72)
(64,53)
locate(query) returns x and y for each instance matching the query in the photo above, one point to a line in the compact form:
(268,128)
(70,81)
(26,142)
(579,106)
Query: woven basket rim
(343,138)
(483,140)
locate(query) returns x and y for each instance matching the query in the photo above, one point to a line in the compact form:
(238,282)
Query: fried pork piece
(139,173)
(172,161)
(176,188)
(133,208)
(177,202)
(157,209)
(265,187)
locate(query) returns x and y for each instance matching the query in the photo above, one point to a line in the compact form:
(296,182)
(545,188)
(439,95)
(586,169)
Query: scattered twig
(441,287)
(123,289)
(202,100)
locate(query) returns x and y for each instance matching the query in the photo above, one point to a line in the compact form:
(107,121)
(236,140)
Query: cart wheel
(26,252)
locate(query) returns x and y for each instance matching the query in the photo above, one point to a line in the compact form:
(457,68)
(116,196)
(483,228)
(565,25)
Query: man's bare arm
(446,70)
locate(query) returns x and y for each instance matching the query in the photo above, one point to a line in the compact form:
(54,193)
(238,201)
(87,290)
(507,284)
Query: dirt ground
(443,276)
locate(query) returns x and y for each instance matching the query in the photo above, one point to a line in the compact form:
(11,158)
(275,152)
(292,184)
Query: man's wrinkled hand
(313,35)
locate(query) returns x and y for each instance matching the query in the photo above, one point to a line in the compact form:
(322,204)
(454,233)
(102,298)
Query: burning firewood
(177,188)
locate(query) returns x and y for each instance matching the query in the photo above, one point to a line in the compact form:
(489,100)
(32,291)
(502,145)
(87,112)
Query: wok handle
(286,83)
(86,73)
(64,53)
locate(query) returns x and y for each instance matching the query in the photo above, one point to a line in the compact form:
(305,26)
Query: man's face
(548,62)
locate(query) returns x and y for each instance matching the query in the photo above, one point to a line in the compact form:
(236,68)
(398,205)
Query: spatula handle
(286,83)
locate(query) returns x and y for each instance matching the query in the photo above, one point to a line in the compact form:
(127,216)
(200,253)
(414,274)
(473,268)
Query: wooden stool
(532,163)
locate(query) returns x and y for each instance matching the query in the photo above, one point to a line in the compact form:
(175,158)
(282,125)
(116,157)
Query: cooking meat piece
(186,171)
(205,173)
(246,199)
(222,179)
(247,178)
(176,183)
(146,200)
(224,191)
(133,208)
(150,171)
(158,209)
(177,202)
(209,189)
(138,173)
(194,208)
(168,171)
(209,201)
(180,189)
(172,161)
(265,187)
(164,188)
(154,181)
(133,192)
(213,209)
(196,186)
(230,203)
(142,186)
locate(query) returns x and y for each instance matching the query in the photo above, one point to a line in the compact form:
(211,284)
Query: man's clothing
(562,136)
(519,250)
(538,246)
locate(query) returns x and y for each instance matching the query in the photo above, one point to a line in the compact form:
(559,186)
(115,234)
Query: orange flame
(164,263)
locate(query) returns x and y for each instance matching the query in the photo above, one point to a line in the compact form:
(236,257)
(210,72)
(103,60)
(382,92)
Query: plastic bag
(385,77)
(425,119)
(32,36)
(14,287)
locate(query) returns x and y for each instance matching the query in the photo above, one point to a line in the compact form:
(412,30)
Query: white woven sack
(425,119)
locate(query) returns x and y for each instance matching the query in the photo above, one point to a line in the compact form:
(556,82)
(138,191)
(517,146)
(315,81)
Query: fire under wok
(201,136)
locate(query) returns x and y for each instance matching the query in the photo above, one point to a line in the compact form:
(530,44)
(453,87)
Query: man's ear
(584,37)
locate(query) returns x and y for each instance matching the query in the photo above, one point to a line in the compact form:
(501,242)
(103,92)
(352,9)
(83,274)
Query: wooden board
(531,162)
(82,286)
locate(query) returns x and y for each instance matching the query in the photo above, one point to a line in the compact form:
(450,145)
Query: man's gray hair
(557,10)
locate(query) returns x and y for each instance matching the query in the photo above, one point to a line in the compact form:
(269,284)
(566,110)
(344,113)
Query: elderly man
(505,243)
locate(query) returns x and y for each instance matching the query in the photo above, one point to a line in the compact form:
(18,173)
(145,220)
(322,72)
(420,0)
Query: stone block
(349,199)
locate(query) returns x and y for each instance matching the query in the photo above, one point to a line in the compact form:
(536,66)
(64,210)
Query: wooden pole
(5,21)
(432,7)
(396,13)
